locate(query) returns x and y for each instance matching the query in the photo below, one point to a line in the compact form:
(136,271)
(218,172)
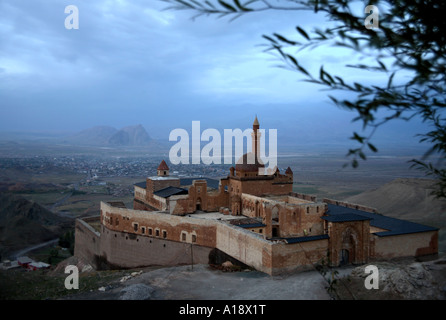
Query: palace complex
(249,217)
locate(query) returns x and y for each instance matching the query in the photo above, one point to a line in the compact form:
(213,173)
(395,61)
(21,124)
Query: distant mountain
(130,136)
(109,136)
(24,223)
(99,135)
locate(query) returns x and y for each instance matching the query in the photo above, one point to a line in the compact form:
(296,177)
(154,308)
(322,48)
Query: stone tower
(163,169)
(256,138)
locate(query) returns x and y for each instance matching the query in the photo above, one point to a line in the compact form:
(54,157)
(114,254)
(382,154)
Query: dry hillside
(24,223)
(409,199)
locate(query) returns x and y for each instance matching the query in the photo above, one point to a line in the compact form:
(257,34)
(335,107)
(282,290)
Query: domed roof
(249,163)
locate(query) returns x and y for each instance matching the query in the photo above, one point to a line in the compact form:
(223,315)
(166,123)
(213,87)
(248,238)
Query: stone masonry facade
(253,217)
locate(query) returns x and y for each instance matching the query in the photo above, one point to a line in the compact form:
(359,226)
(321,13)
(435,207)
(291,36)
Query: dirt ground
(403,279)
(204,283)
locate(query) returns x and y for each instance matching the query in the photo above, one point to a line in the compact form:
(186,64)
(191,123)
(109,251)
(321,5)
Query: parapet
(350,205)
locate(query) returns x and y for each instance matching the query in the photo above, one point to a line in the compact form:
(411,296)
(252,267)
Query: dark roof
(213,183)
(247,223)
(393,225)
(170,191)
(253,225)
(345,217)
(307,238)
(141,184)
(117,204)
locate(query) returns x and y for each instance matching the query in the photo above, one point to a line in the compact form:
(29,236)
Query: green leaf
(372,147)
(303,33)
(293,60)
(301,69)
(357,137)
(269,39)
(389,83)
(227,6)
(362,155)
(240,6)
(383,66)
(283,39)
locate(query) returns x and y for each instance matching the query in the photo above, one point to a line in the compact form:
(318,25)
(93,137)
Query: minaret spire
(256,139)
(255,125)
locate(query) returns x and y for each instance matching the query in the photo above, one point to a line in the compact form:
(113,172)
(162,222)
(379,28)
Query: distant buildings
(27,263)
(250,218)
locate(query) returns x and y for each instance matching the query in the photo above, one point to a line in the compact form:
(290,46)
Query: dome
(249,163)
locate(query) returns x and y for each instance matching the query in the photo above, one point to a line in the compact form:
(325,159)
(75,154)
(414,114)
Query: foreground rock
(397,280)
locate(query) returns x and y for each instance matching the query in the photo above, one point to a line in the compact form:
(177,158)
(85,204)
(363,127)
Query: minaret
(256,139)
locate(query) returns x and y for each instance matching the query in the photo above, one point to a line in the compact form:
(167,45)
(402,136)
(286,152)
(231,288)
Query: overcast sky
(132,63)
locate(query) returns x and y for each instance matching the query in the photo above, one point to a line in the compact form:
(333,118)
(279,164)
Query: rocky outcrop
(413,281)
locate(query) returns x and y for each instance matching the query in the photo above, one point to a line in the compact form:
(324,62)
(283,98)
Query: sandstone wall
(405,245)
(87,240)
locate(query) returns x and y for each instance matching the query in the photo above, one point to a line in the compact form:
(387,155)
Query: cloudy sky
(132,63)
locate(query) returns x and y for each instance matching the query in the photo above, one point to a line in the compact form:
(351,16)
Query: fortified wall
(162,239)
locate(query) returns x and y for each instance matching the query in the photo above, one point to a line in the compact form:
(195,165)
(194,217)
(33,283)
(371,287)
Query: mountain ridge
(24,223)
(134,135)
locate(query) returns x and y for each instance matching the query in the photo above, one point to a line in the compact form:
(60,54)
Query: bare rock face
(130,136)
(415,281)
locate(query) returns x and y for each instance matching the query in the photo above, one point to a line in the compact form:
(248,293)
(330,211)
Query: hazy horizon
(133,63)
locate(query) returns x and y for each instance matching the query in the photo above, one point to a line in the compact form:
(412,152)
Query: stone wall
(157,224)
(406,245)
(132,238)
(129,250)
(350,205)
(87,240)
(353,236)
(296,257)
(271,257)
(243,245)
(199,198)
(154,184)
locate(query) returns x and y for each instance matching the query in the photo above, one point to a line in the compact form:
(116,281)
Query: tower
(163,169)
(255,135)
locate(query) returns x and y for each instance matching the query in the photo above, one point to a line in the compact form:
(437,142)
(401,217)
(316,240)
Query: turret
(163,169)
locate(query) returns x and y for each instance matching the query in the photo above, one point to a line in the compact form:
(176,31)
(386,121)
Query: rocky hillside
(403,198)
(99,135)
(130,136)
(24,223)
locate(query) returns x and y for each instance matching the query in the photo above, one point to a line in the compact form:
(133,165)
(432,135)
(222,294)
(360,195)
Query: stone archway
(275,214)
(345,257)
(198,204)
(349,247)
